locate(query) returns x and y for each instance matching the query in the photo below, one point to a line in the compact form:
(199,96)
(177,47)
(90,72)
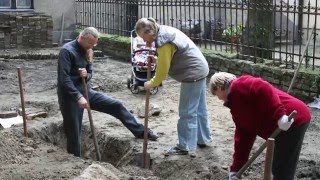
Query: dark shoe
(201,146)
(176,151)
(151,136)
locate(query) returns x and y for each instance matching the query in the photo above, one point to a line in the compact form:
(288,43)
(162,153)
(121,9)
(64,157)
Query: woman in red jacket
(258,108)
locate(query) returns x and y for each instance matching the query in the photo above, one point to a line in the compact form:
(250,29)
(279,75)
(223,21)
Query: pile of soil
(43,156)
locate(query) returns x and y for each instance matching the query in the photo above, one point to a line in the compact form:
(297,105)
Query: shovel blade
(144,160)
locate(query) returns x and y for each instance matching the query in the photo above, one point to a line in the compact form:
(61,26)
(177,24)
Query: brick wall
(25,30)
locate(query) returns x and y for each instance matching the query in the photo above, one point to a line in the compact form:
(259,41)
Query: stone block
(32,116)
(32,113)
(8,114)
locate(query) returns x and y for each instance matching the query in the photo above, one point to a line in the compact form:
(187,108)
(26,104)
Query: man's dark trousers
(73,115)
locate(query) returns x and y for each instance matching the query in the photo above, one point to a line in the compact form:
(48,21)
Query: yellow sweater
(165,54)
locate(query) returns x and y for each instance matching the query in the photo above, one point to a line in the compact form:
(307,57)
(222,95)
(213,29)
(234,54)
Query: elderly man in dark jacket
(75,62)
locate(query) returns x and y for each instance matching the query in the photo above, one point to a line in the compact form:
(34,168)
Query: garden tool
(300,61)
(90,119)
(262,147)
(144,159)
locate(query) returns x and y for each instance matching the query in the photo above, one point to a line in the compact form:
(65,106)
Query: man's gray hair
(90,31)
(221,80)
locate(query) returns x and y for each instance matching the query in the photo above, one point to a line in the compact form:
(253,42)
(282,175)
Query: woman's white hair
(221,80)
(90,31)
(146,26)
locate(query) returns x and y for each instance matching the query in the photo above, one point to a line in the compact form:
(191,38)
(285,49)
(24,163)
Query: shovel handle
(262,147)
(90,119)
(146,117)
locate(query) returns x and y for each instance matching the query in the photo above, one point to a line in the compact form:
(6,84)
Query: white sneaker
(192,154)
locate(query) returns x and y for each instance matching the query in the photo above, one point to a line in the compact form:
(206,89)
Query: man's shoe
(151,136)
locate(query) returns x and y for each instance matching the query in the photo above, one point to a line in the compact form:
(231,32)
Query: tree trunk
(258,33)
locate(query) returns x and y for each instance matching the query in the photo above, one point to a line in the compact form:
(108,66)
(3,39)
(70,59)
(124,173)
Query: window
(5,3)
(16,4)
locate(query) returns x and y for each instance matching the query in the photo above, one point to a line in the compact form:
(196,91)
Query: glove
(284,124)
(232,176)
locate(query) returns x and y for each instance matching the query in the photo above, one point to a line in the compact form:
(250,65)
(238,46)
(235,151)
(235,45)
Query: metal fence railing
(267,29)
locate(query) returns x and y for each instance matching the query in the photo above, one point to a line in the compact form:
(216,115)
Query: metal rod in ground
(146,164)
(268,162)
(262,147)
(24,117)
(90,120)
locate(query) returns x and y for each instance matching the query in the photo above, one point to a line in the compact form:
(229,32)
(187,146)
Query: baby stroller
(139,61)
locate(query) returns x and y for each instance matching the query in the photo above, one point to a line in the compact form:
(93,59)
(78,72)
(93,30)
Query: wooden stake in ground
(90,119)
(268,161)
(24,117)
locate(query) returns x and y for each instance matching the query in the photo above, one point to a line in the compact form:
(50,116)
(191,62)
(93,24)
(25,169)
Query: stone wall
(306,86)
(25,30)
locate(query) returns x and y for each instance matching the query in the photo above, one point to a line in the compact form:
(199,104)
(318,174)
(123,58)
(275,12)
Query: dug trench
(43,154)
(120,152)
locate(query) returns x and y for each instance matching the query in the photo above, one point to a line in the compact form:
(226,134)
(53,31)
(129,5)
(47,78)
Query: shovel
(90,119)
(262,147)
(144,159)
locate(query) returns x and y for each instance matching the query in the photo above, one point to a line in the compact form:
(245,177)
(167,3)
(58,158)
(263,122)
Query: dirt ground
(43,154)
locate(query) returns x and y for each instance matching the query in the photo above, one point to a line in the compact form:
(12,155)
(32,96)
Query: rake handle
(262,147)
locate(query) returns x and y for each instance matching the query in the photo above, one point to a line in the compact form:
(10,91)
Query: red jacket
(256,106)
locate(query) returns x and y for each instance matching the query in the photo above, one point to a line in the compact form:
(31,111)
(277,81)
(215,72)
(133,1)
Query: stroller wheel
(154,90)
(134,89)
